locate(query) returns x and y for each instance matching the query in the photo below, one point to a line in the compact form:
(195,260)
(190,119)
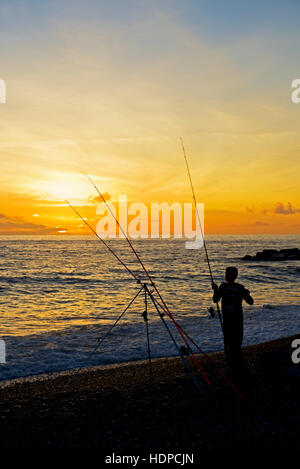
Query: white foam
(63,350)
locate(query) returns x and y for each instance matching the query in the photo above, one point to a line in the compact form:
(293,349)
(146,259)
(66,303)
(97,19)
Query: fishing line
(187,366)
(145,317)
(166,309)
(101,340)
(127,268)
(164,305)
(201,229)
(150,279)
(105,244)
(208,357)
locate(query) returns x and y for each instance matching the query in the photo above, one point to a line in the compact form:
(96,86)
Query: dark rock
(274,255)
(289,251)
(266,254)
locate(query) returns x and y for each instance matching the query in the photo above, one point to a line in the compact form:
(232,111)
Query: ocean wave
(71,348)
(25,279)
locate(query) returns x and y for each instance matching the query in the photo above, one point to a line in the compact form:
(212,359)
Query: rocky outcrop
(275,255)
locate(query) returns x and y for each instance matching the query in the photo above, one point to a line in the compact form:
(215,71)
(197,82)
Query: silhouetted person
(232,295)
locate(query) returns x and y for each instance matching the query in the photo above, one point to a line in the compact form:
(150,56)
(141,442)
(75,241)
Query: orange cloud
(19,226)
(288,209)
(98,199)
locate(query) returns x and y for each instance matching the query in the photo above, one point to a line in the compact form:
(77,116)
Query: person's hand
(214,286)
(247,292)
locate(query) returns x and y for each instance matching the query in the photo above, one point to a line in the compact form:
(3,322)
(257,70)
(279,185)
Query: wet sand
(120,409)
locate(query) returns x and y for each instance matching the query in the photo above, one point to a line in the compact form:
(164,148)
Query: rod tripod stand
(148,295)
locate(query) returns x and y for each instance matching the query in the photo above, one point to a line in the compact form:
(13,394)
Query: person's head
(231,274)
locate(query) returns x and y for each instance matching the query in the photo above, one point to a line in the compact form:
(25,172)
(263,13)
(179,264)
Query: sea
(60,296)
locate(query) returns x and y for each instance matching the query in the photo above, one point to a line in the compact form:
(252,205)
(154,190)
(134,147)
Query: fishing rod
(161,315)
(102,241)
(138,281)
(163,306)
(145,317)
(208,357)
(201,229)
(184,336)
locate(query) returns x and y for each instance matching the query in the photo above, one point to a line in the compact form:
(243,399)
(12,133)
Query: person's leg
(241,358)
(233,337)
(241,374)
(229,344)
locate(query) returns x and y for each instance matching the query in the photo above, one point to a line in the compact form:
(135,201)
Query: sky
(108,87)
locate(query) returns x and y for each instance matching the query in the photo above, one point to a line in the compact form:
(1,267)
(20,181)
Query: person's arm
(247,297)
(217,293)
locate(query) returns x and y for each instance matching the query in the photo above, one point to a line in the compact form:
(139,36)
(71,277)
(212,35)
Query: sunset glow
(86,92)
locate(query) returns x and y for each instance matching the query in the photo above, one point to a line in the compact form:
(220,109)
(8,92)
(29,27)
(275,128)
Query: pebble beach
(120,409)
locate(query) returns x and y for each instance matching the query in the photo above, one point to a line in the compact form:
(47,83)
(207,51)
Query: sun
(61,188)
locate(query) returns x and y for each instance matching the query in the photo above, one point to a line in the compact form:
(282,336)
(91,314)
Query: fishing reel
(145,315)
(184,350)
(211,313)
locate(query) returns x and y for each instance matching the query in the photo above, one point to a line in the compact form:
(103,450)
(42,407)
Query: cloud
(261,223)
(127,85)
(17,226)
(265,211)
(251,208)
(288,209)
(98,199)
